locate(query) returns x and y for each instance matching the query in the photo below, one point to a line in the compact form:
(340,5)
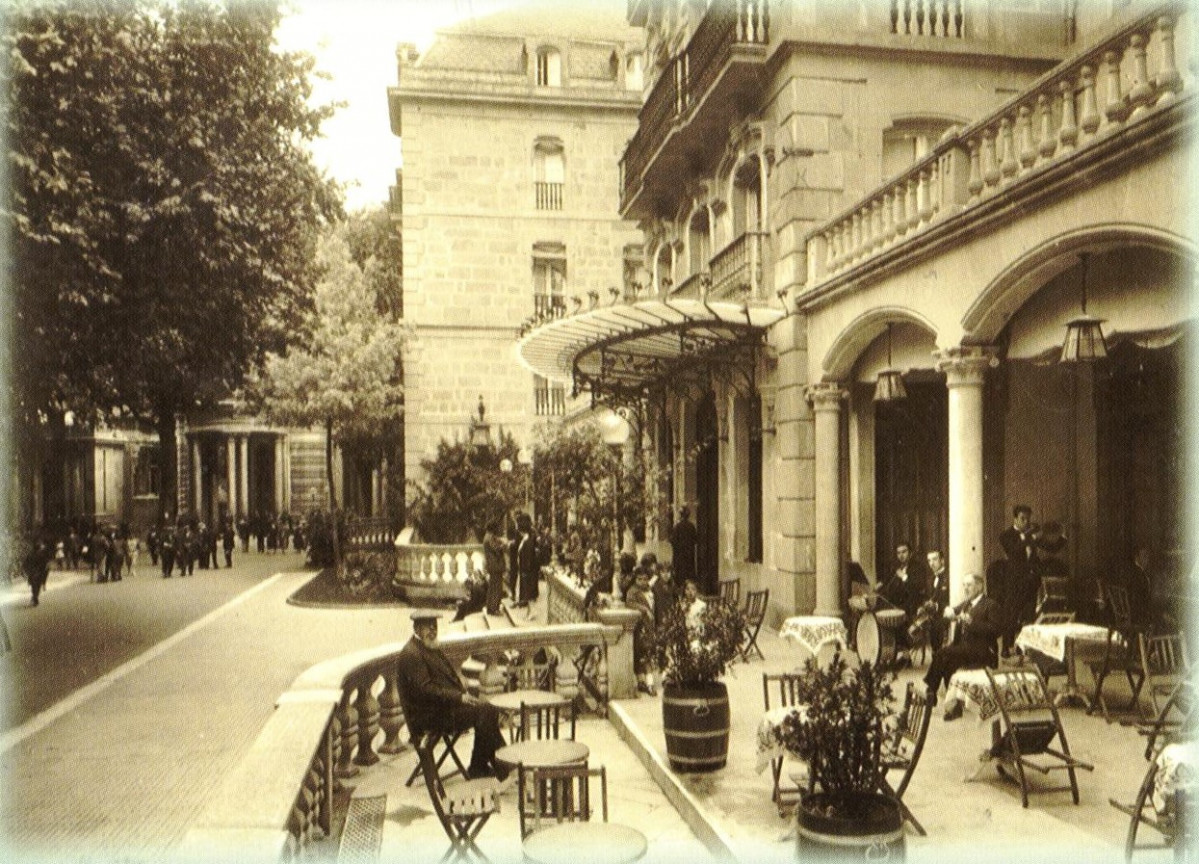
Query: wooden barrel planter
(863,827)
(696,723)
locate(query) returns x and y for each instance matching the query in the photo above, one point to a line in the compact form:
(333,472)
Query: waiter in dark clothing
(1021,572)
(683,540)
(434,699)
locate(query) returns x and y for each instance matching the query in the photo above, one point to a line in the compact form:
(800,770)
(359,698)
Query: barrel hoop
(696,760)
(674,700)
(708,733)
(856,840)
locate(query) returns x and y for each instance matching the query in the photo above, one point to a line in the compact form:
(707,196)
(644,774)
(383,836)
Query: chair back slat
(730,591)
(544,722)
(550,795)
(786,684)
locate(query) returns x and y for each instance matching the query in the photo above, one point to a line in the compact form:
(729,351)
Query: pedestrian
(227,542)
(185,552)
(99,553)
(495,562)
(114,560)
(72,549)
(526,563)
(166,550)
(37,566)
(683,541)
(152,545)
(243,532)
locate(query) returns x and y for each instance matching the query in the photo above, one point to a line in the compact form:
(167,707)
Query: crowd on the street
(110,552)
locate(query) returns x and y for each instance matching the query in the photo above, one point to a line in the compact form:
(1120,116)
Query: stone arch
(1013,286)
(853,340)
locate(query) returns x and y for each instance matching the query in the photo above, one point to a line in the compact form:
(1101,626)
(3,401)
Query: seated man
(977,623)
(434,698)
(904,589)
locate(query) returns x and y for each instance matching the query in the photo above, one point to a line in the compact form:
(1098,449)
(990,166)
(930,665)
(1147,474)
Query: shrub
(690,655)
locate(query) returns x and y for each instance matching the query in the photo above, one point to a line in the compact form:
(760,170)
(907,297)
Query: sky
(354,42)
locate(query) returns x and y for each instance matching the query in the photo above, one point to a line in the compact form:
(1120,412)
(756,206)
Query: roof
(601,20)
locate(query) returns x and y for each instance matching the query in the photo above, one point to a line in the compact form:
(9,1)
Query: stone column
(965,369)
(279,474)
(826,399)
(197,479)
(231,473)
(243,495)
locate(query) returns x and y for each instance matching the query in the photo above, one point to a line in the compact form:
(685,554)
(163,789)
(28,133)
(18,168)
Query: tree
(345,375)
(163,205)
(467,490)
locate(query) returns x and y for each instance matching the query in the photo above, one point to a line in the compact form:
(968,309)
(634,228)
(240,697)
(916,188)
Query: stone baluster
(855,249)
(1140,97)
(990,165)
(447,567)
(335,749)
(1008,165)
(878,229)
(899,216)
(925,196)
(566,677)
(1088,118)
(1028,151)
(936,187)
(348,720)
(368,724)
(1067,133)
(463,571)
(1169,82)
(913,205)
(1115,107)
(391,715)
(491,677)
(975,184)
(1047,145)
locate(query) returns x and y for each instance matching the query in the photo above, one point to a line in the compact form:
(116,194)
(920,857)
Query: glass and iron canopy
(624,352)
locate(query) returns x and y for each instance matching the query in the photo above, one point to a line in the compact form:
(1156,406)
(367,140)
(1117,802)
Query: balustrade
(548,195)
(325,727)
(937,18)
(738,268)
(1057,116)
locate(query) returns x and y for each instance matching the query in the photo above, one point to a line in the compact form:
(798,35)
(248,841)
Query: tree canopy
(162,203)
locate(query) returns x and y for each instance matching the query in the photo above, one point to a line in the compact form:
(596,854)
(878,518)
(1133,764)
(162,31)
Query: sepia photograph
(598,431)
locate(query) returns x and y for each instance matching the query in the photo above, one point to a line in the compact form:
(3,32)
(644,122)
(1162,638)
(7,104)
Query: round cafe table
(511,701)
(585,843)
(542,754)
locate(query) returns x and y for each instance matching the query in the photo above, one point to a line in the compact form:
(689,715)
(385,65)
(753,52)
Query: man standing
(683,541)
(434,699)
(977,623)
(37,566)
(1022,573)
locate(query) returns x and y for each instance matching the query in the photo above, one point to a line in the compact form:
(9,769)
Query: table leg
(1072,693)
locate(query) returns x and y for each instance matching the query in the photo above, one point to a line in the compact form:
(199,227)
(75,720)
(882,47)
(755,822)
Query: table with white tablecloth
(1067,643)
(815,633)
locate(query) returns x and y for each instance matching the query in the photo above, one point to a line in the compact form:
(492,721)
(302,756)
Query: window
(908,140)
(549,397)
(549,173)
(549,279)
(549,67)
(634,72)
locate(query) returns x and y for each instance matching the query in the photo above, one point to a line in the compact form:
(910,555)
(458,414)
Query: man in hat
(434,699)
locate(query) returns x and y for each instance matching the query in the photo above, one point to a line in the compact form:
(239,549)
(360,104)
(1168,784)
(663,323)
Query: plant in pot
(695,646)
(846,715)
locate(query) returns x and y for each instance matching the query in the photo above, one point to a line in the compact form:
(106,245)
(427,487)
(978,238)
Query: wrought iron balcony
(698,92)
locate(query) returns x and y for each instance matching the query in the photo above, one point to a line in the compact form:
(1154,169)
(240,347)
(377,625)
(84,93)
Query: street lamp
(480,430)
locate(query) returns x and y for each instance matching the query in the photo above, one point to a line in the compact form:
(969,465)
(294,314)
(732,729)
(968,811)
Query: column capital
(966,365)
(825,396)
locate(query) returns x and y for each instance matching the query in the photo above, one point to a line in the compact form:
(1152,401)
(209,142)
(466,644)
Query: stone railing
(335,720)
(1080,104)
(564,605)
(435,572)
(370,533)
(737,269)
(938,18)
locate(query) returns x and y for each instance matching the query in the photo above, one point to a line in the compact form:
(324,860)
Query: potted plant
(845,717)
(696,642)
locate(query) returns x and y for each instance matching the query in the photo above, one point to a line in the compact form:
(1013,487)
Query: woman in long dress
(641,598)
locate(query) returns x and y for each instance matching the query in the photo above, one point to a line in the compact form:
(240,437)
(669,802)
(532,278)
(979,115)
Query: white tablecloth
(814,631)
(1175,770)
(770,746)
(1052,640)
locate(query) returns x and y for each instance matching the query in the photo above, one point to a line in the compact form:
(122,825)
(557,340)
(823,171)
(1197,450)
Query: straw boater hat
(419,615)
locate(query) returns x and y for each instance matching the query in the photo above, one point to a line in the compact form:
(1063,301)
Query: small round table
(585,843)
(542,754)
(511,701)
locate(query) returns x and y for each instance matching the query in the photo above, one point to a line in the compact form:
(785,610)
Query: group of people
(189,544)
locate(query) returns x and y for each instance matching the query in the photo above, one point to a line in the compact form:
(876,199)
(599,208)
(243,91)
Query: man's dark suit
(1021,579)
(938,594)
(431,696)
(973,645)
(683,540)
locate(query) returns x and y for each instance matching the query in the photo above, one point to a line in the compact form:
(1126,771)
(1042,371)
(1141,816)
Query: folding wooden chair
(1172,721)
(755,613)
(1052,594)
(530,676)
(442,745)
(540,722)
(462,808)
(901,752)
(1030,726)
(1121,654)
(561,793)
(786,685)
(1164,663)
(730,592)
(1142,812)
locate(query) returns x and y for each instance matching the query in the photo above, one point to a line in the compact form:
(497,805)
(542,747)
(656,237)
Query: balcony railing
(942,18)
(1080,104)
(549,195)
(726,26)
(550,401)
(738,269)
(549,305)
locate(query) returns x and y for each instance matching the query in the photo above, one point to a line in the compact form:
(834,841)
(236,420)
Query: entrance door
(707,497)
(911,472)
